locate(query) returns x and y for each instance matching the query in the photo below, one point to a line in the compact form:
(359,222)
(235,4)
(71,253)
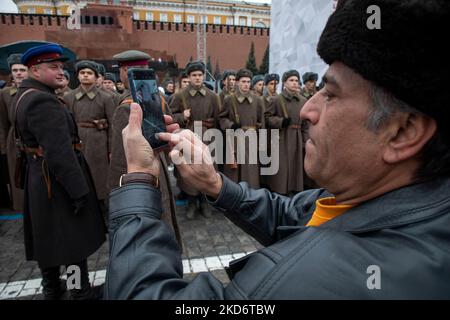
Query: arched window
(260,25)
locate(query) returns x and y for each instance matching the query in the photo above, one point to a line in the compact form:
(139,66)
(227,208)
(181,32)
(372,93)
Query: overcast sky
(9,6)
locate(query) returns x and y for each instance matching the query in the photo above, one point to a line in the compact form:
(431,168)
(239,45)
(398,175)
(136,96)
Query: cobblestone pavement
(209,245)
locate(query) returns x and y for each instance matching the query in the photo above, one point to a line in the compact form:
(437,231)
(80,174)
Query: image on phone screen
(145,92)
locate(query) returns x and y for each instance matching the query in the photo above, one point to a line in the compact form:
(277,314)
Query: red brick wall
(228,45)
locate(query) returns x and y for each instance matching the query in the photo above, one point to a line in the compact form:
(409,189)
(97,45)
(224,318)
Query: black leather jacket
(403,235)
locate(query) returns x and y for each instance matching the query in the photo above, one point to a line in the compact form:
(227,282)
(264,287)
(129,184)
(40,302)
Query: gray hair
(435,155)
(384,105)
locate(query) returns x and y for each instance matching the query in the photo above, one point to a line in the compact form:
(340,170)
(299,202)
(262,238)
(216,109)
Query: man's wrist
(214,191)
(139,177)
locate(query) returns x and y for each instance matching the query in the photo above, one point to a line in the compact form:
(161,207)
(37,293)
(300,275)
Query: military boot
(53,288)
(192,208)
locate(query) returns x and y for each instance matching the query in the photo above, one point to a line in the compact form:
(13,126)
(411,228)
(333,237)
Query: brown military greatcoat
(88,107)
(6,97)
(247,111)
(118,165)
(290,174)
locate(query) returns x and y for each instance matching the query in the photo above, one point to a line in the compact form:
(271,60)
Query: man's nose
(310,111)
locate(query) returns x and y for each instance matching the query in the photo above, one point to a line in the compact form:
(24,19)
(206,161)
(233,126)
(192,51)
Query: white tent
(295,29)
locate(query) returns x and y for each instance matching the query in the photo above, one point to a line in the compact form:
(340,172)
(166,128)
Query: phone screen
(144,89)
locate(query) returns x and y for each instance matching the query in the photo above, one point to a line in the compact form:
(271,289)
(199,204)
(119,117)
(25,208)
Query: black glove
(235,126)
(286,122)
(79,204)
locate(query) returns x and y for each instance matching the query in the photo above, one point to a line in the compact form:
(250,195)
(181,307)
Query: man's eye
(328,95)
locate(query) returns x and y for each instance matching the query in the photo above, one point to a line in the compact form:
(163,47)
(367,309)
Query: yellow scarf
(326,210)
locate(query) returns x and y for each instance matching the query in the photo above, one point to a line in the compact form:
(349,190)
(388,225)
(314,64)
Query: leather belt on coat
(39,152)
(100,124)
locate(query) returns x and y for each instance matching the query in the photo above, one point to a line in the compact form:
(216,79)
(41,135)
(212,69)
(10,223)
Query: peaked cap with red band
(132,58)
(43,53)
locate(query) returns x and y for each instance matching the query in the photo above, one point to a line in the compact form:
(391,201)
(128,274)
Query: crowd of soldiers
(100,108)
(245,101)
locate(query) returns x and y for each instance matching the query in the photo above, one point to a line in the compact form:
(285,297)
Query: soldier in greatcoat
(19,73)
(283,114)
(66,89)
(258,85)
(245,111)
(271,81)
(196,103)
(229,84)
(309,84)
(118,166)
(109,86)
(62,218)
(93,110)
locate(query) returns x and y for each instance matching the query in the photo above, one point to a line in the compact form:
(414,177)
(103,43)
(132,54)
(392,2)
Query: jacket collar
(193,91)
(12,90)
(90,94)
(32,83)
(399,207)
(241,97)
(289,96)
(267,96)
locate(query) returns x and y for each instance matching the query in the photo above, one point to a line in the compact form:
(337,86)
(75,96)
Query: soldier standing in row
(258,85)
(19,72)
(62,218)
(271,81)
(182,83)
(309,82)
(229,84)
(120,87)
(65,89)
(5,199)
(283,114)
(109,86)
(102,76)
(245,111)
(93,110)
(101,72)
(118,165)
(196,103)
(109,82)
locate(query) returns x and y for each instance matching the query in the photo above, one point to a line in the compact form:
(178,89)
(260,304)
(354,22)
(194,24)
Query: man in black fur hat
(380,147)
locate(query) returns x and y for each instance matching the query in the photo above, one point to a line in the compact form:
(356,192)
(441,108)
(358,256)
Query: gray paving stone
(216,236)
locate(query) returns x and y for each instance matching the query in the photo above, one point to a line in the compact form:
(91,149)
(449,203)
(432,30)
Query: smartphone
(145,92)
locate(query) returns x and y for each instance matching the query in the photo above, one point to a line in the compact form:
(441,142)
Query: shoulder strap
(16,108)
(219,102)
(235,108)
(183,100)
(283,106)
(163,103)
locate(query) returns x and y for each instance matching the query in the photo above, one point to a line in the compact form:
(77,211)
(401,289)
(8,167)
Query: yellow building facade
(220,12)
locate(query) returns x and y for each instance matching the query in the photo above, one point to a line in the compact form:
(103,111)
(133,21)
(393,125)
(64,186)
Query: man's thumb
(135,120)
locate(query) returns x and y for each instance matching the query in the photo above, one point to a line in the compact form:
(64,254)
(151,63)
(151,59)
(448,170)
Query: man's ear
(407,134)
(33,71)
